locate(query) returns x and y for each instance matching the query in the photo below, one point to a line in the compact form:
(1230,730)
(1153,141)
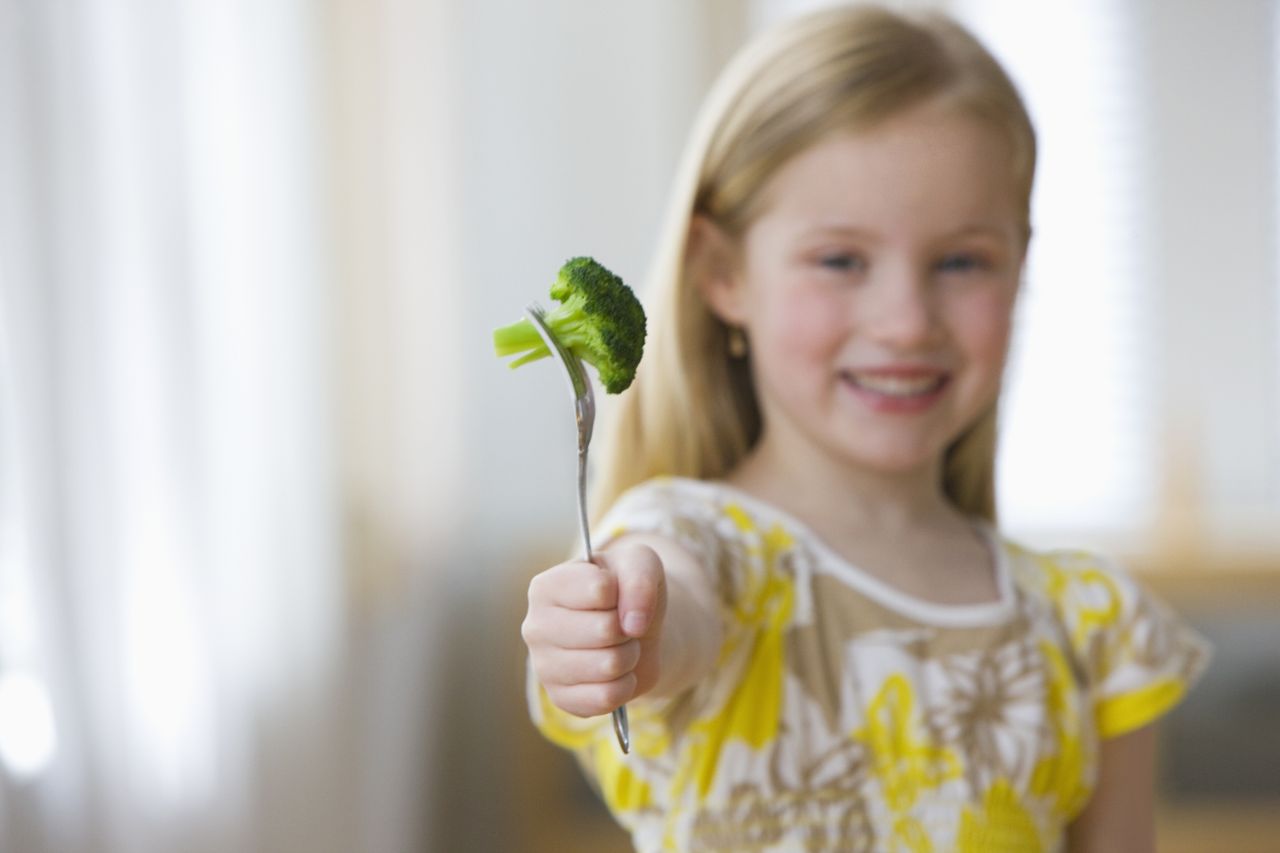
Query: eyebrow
(836,229)
(981,230)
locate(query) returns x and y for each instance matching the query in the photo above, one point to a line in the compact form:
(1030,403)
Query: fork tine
(573,365)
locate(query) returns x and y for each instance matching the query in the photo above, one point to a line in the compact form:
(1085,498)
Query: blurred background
(268,503)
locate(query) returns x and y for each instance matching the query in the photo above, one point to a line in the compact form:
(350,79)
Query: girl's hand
(594,631)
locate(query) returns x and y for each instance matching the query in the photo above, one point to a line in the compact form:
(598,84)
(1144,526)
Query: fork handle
(621,729)
(582,503)
(621,726)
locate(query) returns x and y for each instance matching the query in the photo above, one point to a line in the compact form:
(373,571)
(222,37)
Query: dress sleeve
(1138,656)
(661,507)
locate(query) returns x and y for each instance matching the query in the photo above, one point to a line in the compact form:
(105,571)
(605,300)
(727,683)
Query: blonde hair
(692,410)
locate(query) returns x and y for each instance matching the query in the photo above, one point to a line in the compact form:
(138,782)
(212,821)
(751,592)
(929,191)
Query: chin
(899,452)
(896,462)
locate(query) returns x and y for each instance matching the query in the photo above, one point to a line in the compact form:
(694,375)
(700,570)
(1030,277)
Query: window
(1078,405)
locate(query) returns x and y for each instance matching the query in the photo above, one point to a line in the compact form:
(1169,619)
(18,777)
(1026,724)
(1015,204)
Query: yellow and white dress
(845,715)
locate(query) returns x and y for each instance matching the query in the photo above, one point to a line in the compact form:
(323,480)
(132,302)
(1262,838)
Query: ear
(713,265)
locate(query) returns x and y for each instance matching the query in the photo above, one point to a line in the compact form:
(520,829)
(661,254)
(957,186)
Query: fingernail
(634,623)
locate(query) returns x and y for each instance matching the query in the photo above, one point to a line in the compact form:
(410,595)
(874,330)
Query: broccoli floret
(598,319)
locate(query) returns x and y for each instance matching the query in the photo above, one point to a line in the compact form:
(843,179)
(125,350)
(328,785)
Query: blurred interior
(268,503)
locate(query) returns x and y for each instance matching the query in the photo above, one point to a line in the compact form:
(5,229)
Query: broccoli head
(598,319)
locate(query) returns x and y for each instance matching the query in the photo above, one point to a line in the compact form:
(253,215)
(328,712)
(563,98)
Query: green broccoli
(598,319)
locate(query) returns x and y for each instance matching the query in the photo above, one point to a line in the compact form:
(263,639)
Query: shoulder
(737,539)
(1067,575)
(685,510)
(1138,656)
(666,503)
(669,493)
(1090,591)
(656,503)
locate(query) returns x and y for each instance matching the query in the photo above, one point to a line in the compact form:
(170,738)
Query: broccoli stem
(516,337)
(534,354)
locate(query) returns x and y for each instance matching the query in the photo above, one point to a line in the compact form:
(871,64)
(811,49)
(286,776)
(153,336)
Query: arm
(1120,816)
(642,622)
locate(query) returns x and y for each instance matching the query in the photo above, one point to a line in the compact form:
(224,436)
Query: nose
(899,311)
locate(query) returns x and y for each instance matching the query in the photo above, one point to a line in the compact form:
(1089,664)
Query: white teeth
(896,386)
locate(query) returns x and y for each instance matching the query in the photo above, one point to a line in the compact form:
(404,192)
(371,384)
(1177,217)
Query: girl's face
(877,288)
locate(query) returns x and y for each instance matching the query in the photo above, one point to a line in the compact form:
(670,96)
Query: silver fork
(584,405)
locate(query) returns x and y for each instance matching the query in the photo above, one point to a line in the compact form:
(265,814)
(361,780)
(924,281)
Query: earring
(737,343)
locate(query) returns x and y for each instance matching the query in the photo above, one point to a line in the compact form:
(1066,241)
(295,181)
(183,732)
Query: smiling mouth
(902,387)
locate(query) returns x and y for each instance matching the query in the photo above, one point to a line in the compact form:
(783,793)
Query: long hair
(692,410)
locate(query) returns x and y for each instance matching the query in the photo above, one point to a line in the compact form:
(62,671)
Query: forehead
(929,166)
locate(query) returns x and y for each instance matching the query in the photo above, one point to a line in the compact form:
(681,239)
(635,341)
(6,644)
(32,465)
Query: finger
(562,628)
(568,667)
(642,588)
(592,700)
(577,586)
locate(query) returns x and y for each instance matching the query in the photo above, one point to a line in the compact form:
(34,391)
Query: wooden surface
(1226,828)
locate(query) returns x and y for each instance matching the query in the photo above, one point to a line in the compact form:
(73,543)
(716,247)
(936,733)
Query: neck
(809,485)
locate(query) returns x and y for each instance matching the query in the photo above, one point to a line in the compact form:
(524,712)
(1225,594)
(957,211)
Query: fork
(584,405)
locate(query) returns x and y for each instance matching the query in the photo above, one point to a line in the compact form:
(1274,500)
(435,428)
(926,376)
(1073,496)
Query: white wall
(569,146)
(1209,70)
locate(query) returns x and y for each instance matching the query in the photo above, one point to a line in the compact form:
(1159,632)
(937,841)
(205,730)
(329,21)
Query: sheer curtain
(170,589)
(266,497)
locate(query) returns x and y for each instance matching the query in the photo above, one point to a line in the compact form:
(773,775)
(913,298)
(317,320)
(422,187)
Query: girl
(825,643)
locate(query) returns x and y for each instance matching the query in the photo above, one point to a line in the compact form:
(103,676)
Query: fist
(593,631)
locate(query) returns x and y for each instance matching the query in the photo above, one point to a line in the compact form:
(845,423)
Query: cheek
(983,323)
(805,323)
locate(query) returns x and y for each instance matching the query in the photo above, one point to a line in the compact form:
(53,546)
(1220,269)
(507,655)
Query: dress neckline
(932,612)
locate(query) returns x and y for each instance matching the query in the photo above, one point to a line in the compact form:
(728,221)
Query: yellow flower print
(902,760)
(910,837)
(752,711)
(622,790)
(1002,825)
(1088,597)
(1060,776)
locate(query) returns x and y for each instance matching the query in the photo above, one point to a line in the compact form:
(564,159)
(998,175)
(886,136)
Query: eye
(962,262)
(841,261)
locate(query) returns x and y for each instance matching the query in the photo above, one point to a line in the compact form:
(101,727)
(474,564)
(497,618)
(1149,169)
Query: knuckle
(537,587)
(604,628)
(614,663)
(540,672)
(644,560)
(564,700)
(593,700)
(614,693)
(545,583)
(642,555)
(577,702)
(529,630)
(598,589)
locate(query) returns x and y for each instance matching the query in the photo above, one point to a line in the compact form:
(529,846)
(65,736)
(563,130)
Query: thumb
(642,588)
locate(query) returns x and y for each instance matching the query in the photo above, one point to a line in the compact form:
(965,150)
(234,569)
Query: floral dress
(846,715)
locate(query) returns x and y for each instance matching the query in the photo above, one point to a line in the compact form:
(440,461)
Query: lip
(909,371)
(887,403)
